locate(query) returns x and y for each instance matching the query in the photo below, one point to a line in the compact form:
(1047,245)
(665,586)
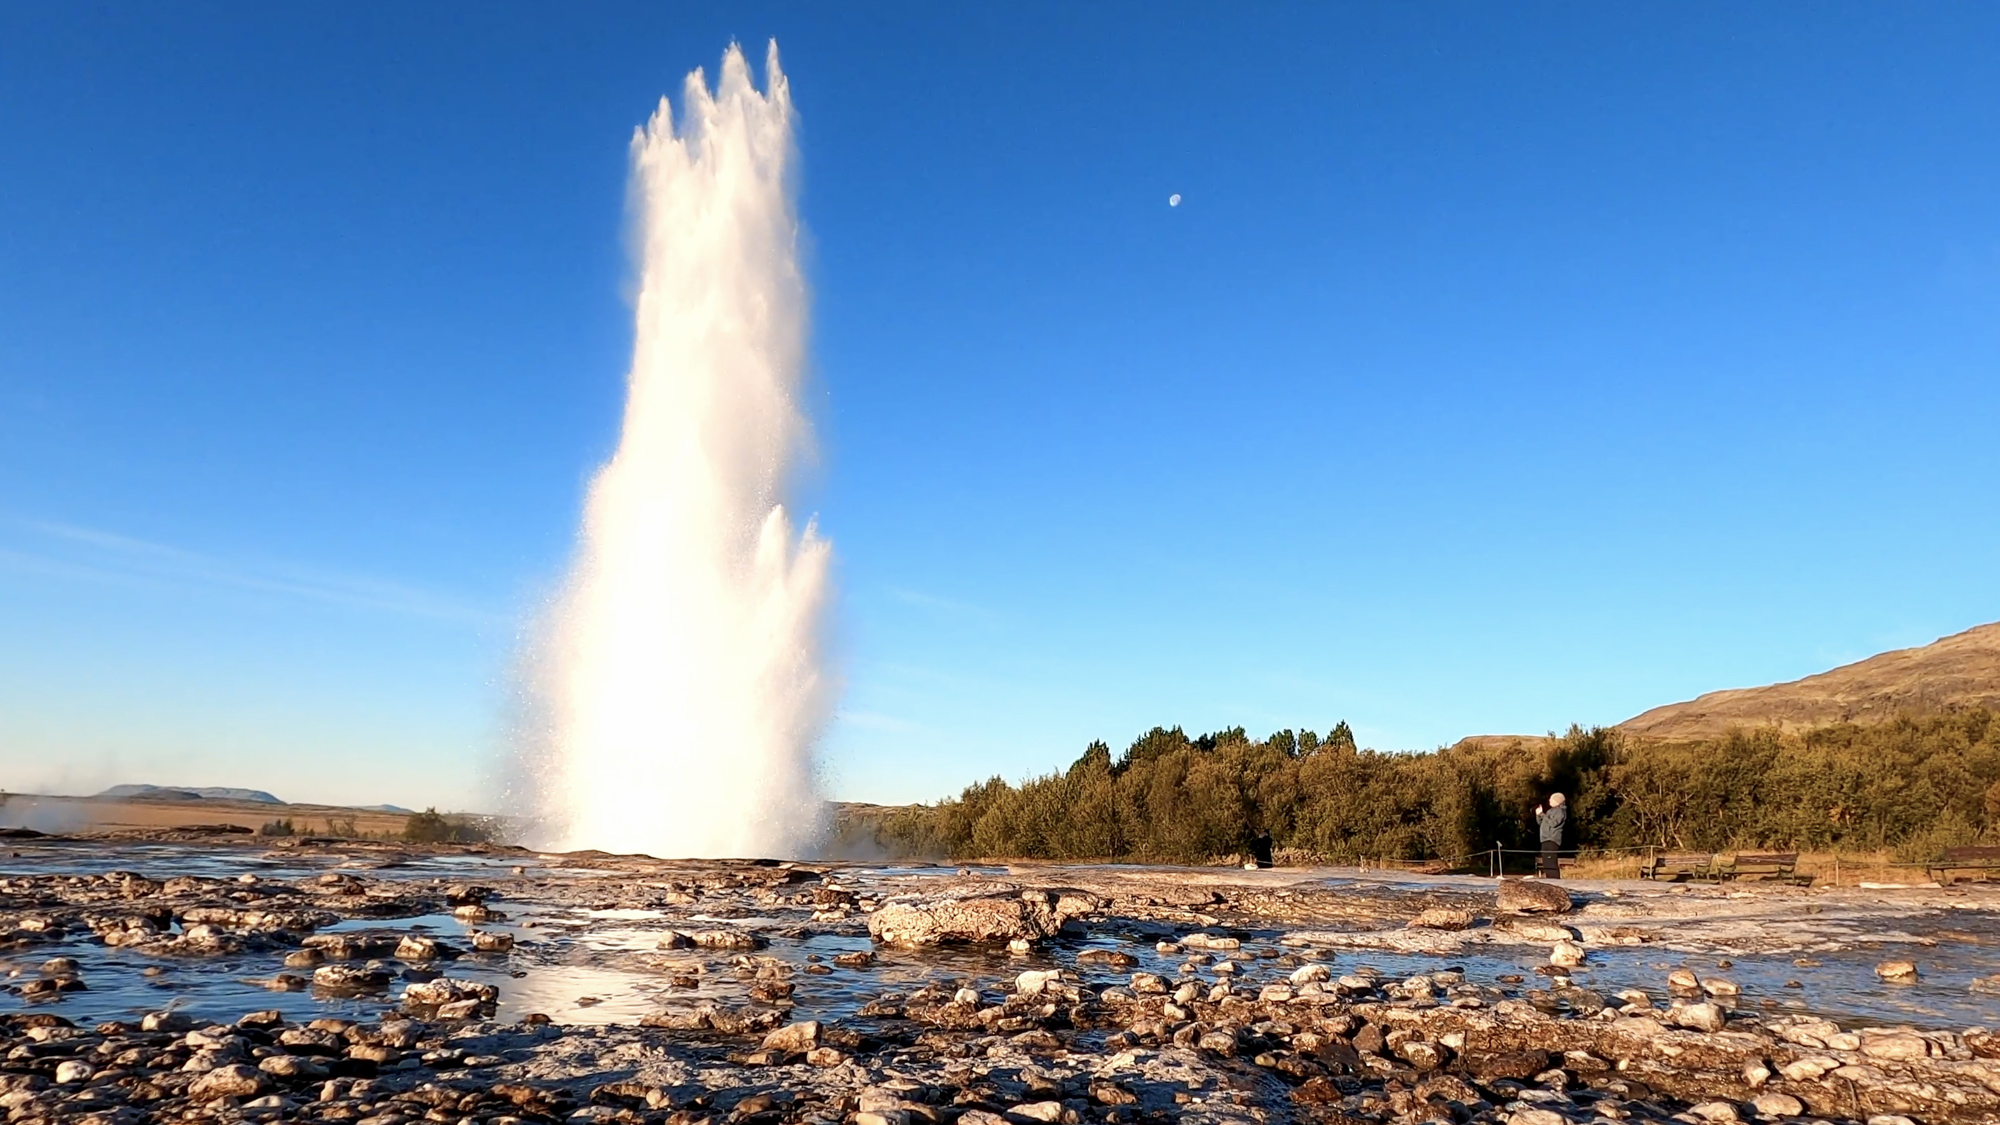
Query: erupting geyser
(679,683)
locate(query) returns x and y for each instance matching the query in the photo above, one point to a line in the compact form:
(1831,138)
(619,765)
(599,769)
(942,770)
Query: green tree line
(1913,785)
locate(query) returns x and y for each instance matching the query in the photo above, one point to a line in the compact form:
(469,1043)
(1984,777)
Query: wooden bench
(1776,867)
(1980,864)
(1674,867)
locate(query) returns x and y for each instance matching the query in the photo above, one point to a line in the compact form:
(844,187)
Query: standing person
(1260,849)
(1550,821)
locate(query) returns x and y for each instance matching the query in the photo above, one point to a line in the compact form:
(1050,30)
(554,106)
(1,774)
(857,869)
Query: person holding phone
(1550,822)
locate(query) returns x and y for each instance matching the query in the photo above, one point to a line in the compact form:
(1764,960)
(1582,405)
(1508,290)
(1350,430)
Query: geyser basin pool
(589,929)
(711,955)
(677,687)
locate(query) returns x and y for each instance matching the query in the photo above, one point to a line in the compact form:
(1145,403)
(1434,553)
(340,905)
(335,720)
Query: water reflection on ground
(582,963)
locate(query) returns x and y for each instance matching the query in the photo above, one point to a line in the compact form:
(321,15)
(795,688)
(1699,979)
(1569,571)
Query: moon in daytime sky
(1174,200)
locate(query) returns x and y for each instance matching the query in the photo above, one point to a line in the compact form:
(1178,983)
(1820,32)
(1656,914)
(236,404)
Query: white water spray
(680,677)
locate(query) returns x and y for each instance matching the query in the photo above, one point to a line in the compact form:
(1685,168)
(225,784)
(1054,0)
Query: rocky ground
(1132,995)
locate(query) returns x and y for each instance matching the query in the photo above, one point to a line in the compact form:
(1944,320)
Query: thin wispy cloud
(948,608)
(70,551)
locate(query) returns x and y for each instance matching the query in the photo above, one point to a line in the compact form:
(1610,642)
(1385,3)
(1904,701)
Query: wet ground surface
(588,934)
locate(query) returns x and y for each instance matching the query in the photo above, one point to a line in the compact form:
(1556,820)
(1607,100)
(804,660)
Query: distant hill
(385,808)
(1957,672)
(179,793)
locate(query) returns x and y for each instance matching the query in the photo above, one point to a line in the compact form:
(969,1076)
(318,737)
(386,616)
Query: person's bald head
(1555,800)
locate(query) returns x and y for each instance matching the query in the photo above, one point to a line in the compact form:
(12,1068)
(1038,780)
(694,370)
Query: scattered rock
(795,1039)
(350,978)
(1701,1017)
(978,918)
(1567,954)
(1523,896)
(1441,918)
(1777,1105)
(1897,972)
(233,1081)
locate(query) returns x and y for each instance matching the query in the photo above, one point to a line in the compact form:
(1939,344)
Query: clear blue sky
(1505,366)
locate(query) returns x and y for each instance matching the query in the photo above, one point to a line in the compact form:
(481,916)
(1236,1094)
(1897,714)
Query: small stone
(234,1081)
(1719,987)
(349,978)
(459,1010)
(825,1056)
(1419,1054)
(1567,954)
(1716,1111)
(1683,982)
(381,1054)
(1899,1046)
(1536,1117)
(1897,972)
(728,939)
(1441,918)
(966,998)
(1777,1105)
(1701,1017)
(71,1071)
(1114,958)
(1306,974)
(1038,1111)
(794,1039)
(1032,982)
(1808,1070)
(1219,1041)
(446,990)
(165,1021)
(292,1066)
(492,941)
(416,948)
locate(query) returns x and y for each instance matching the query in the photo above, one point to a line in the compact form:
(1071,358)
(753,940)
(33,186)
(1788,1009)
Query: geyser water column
(683,680)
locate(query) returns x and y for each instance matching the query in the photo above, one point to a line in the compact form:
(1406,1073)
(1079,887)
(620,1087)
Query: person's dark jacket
(1552,821)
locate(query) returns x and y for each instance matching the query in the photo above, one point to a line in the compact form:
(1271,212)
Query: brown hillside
(1962,670)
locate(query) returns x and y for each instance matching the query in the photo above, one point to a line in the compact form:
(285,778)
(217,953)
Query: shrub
(433,827)
(1914,785)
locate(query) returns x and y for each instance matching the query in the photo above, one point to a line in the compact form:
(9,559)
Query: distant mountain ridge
(1953,673)
(184,793)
